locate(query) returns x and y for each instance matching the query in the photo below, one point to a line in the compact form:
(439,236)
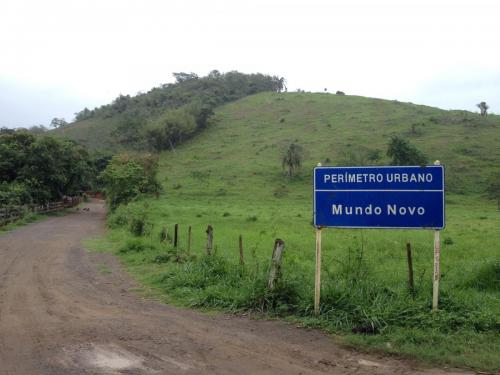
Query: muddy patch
(104,359)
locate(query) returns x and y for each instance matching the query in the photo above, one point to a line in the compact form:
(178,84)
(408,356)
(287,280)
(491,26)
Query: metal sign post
(388,197)
(317,278)
(437,265)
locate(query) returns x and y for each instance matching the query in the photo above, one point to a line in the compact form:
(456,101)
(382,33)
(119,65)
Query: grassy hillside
(230,176)
(333,129)
(245,147)
(93,133)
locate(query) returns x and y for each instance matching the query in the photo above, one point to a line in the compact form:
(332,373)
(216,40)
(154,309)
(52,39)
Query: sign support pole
(437,265)
(437,271)
(317,279)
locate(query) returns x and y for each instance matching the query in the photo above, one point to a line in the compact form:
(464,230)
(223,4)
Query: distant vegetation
(38,170)
(167,115)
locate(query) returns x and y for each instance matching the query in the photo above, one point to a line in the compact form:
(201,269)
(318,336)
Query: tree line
(169,114)
(36,170)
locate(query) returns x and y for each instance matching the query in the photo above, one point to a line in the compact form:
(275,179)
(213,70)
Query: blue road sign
(379,197)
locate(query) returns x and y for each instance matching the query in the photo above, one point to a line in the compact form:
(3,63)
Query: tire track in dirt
(60,315)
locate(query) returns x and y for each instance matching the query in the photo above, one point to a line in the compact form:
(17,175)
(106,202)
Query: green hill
(245,145)
(332,129)
(230,176)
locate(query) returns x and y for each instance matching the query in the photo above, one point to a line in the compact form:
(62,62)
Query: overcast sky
(58,56)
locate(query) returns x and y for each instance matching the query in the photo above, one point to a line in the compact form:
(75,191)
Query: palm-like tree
(279,84)
(483,107)
(292,159)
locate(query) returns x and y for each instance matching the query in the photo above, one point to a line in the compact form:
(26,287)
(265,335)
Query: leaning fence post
(210,238)
(242,261)
(275,271)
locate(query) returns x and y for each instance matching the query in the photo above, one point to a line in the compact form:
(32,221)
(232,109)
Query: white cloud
(91,51)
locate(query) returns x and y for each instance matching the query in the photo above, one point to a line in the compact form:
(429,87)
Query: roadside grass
(365,298)
(31,218)
(230,177)
(28,218)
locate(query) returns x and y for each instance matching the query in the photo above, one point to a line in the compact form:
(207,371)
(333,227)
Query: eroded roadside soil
(66,311)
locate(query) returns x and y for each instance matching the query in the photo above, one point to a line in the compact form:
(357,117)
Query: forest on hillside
(169,114)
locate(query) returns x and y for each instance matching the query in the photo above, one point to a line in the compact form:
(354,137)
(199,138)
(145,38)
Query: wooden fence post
(210,238)
(176,233)
(275,271)
(189,241)
(411,284)
(242,261)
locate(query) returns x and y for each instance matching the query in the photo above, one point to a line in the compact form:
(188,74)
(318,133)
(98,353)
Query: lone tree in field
(483,107)
(403,152)
(493,188)
(292,159)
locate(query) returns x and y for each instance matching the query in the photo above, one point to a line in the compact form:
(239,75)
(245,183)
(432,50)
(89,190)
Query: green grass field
(230,176)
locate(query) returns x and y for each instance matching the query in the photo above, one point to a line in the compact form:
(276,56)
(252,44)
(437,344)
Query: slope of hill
(244,148)
(230,176)
(332,129)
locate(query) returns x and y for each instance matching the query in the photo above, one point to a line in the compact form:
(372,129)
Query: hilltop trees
(58,122)
(403,152)
(83,114)
(164,116)
(183,77)
(214,89)
(483,107)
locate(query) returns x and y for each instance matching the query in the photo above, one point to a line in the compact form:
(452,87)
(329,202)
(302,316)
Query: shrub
(139,226)
(404,153)
(119,217)
(129,175)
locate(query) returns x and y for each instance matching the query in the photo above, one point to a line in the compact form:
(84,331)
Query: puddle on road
(113,358)
(110,359)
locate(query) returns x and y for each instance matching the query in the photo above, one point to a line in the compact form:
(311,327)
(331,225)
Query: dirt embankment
(65,311)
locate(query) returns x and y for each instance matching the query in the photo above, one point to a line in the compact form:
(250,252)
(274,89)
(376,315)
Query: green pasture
(230,177)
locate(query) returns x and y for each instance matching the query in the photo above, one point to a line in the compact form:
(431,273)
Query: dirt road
(66,311)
